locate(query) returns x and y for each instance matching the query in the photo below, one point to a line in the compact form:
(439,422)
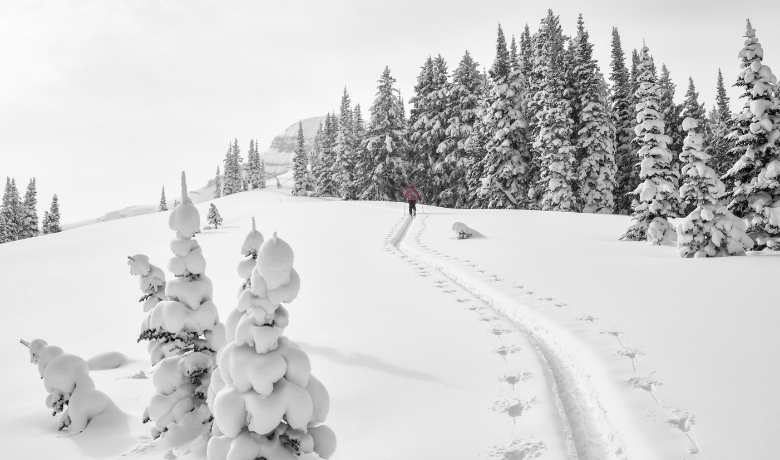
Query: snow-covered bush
(265,401)
(656,198)
(186,333)
(151,280)
(71,389)
(710,230)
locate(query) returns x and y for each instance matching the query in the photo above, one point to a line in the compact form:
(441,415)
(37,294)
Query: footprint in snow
(648,384)
(505,350)
(548,299)
(632,354)
(461,300)
(487,319)
(519,450)
(518,286)
(514,408)
(514,379)
(588,318)
(616,334)
(684,421)
(560,304)
(499,331)
(529,292)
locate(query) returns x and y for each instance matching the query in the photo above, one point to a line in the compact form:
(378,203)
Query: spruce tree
(595,134)
(345,154)
(231,182)
(217,184)
(756,193)
(463,98)
(323,172)
(526,55)
(386,144)
(51,220)
(671,113)
(300,165)
(627,176)
(11,213)
(163,206)
(507,160)
(427,128)
(709,230)
(656,198)
(254,177)
(721,122)
(30,211)
(260,170)
(555,126)
(213,217)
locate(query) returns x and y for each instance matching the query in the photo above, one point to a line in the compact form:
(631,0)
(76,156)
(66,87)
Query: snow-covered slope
(430,346)
(278,156)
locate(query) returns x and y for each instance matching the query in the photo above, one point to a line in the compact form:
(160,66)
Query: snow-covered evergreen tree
(345,151)
(595,135)
(386,145)
(300,165)
(323,170)
(671,114)
(163,206)
(756,174)
(721,122)
(693,109)
(186,333)
(427,128)
(218,184)
(656,198)
(622,96)
(255,174)
(463,101)
(151,280)
(507,159)
(710,230)
(213,217)
(11,213)
(232,181)
(526,53)
(51,219)
(265,401)
(29,227)
(555,126)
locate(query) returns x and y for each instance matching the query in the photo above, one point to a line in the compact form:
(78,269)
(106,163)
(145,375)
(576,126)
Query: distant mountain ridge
(278,157)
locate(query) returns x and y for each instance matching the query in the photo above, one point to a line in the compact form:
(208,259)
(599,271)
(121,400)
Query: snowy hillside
(518,341)
(278,156)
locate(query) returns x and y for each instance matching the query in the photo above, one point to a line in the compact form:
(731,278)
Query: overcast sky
(104,101)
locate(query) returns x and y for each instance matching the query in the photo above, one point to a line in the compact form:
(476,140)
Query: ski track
(590,434)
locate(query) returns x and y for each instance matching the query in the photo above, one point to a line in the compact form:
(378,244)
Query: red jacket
(411,194)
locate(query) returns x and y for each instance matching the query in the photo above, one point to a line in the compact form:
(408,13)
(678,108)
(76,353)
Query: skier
(412,196)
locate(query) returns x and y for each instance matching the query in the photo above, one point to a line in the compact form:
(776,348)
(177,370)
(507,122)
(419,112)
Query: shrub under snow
(265,401)
(71,389)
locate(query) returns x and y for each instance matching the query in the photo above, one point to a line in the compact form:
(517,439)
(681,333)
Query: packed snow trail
(599,427)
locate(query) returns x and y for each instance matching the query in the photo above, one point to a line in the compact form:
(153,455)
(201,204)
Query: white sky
(105,101)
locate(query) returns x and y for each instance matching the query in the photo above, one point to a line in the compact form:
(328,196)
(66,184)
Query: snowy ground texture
(544,338)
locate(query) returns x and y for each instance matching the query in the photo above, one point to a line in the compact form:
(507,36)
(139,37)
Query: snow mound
(463,231)
(107,360)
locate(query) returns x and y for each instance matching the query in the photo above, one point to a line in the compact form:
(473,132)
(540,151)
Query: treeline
(19,215)
(543,129)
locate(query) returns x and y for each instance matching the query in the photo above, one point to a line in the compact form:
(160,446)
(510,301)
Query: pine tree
(345,154)
(553,142)
(266,402)
(656,198)
(721,123)
(163,203)
(671,113)
(427,128)
(300,165)
(526,53)
(756,193)
(627,176)
(507,160)
(30,211)
(386,144)
(11,213)
(463,98)
(217,184)
(323,170)
(710,230)
(213,217)
(595,134)
(254,173)
(51,220)
(260,170)
(232,180)
(185,334)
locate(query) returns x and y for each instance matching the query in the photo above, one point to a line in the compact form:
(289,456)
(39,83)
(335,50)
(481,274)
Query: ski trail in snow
(600,428)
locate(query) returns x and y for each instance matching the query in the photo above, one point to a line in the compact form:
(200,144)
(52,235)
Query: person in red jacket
(412,196)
